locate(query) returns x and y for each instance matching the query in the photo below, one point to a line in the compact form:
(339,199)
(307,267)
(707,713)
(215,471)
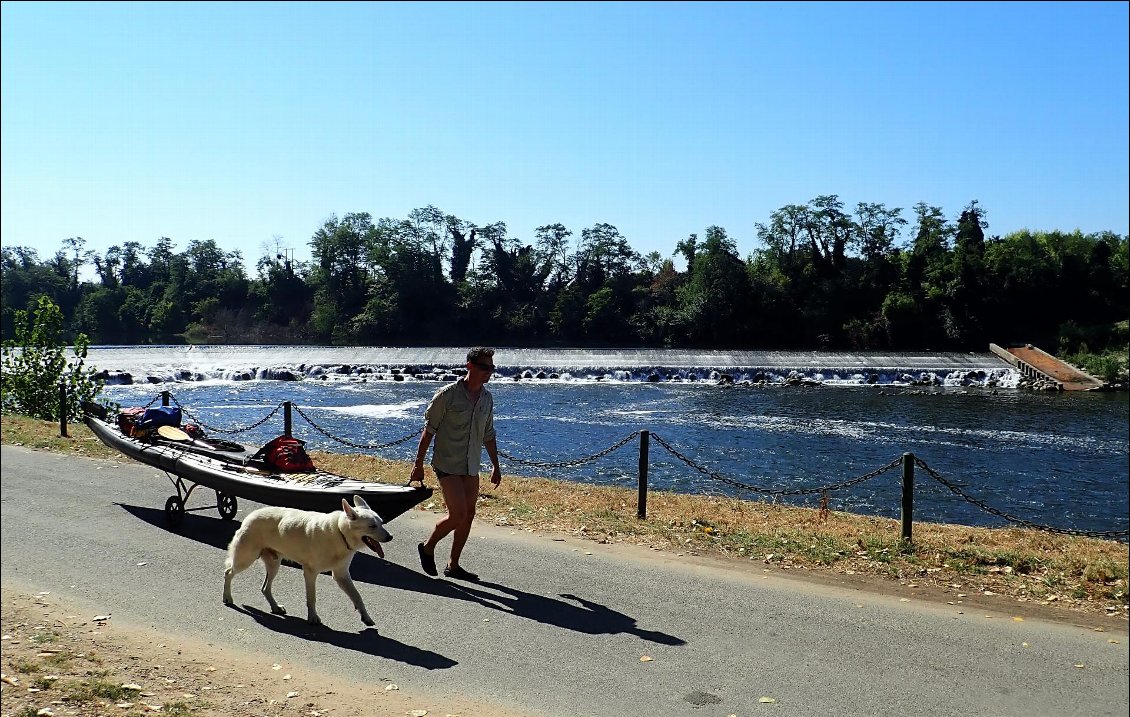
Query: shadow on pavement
(368,641)
(571,613)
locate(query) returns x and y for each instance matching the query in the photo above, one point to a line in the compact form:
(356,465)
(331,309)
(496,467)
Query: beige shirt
(460,427)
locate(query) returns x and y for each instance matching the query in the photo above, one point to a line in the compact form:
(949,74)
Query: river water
(1058,460)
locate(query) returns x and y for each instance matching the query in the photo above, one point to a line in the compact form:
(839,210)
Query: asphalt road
(558,627)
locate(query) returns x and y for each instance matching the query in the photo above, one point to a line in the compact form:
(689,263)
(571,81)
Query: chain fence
(776,492)
(196,419)
(576,461)
(956,490)
(1120,535)
(351,444)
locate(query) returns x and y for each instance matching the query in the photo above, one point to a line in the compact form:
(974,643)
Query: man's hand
(416,476)
(496,476)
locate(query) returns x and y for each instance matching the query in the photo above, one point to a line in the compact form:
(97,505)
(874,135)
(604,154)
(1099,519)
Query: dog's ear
(348,509)
(359,502)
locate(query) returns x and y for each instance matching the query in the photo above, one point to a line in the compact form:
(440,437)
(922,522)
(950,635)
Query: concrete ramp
(1032,361)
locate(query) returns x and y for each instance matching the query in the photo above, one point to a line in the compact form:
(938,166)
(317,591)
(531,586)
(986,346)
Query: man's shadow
(572,613)
(588,617)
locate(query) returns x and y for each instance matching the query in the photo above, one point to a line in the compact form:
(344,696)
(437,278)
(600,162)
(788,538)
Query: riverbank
(1048,572)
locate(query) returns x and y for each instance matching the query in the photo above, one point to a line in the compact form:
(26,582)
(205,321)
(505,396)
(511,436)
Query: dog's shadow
(368,641)
(571,613)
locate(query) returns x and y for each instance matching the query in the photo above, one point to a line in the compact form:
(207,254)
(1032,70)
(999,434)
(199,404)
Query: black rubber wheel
(174,511)
(227,505)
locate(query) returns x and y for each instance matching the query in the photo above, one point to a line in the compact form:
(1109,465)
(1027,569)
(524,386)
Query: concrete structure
(1031,361)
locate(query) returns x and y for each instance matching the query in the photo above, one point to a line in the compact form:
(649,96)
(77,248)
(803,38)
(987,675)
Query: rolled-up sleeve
(488,432)
(436,410)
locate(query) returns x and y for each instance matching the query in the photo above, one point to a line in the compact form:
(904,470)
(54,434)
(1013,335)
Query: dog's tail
(229,561)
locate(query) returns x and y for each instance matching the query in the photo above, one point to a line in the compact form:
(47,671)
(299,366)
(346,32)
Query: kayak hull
(234,473)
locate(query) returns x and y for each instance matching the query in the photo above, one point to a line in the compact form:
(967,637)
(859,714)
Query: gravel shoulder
(60,659)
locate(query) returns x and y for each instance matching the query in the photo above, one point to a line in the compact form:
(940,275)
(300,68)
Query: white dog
(318,541)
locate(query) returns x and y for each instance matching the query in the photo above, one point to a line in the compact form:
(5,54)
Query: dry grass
(1075,573)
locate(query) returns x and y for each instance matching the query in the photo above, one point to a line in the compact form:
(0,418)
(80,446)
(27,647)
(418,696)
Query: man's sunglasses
(484,366)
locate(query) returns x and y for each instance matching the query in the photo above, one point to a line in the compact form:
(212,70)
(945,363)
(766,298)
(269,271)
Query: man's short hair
(479,352)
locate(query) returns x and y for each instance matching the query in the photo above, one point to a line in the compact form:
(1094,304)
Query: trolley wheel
(174,510)
(227,505)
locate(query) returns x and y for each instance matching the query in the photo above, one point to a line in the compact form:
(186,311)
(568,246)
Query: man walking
(461,419)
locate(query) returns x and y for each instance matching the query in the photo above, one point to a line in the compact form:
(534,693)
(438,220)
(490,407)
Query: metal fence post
(286,418)
(164,398)
(62,410)
(907,496)
(641,502)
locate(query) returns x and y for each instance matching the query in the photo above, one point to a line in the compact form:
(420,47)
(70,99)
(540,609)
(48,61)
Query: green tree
(35,364)
(965,290)
(462,247)
(516,276)
(717,300)
(340,278)
(553,250)
(23,279)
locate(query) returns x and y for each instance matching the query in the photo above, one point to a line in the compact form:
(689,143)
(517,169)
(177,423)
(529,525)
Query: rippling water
(1053,459)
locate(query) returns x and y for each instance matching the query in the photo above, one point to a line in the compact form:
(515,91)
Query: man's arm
(492,451)
(421,453)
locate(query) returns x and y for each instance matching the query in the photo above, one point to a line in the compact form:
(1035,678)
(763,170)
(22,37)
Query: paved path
(558,627)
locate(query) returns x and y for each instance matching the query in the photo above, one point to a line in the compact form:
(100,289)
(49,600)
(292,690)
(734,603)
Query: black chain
(347,442)
(1104,534)
(956,490)
(575,461)
(196,419)
(774,491)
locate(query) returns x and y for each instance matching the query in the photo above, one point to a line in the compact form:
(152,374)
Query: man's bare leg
(470,487)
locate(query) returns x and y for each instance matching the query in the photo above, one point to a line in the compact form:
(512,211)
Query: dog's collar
(343,539)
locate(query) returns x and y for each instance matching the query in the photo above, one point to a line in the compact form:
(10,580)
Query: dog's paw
(367,620)
(278,611)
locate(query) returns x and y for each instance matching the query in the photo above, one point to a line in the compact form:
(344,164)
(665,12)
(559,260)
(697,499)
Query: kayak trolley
(226,503)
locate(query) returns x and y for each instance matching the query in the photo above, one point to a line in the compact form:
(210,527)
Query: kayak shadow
(210,531)
(565,611)
(368,641)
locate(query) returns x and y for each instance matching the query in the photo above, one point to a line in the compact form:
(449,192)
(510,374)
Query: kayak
(233,471)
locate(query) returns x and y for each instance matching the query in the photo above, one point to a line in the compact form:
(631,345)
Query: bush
(34,364)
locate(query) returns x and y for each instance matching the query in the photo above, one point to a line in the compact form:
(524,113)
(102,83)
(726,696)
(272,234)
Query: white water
(163,364)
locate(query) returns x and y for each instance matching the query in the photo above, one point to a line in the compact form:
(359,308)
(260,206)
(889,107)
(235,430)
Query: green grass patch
(27,667)
(177,709)
(90,690)
(58,659)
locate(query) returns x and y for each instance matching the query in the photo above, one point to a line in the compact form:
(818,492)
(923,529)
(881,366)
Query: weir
(162,364)
(137,358)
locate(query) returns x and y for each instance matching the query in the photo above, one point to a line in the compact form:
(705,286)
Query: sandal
(458,573)
(427,562)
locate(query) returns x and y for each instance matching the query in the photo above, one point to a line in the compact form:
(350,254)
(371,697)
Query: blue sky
(246,122)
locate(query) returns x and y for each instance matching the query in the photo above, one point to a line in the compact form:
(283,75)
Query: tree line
(822,277)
